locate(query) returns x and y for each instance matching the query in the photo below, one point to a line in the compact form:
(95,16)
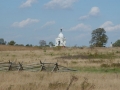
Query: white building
(111,45)
(61,40)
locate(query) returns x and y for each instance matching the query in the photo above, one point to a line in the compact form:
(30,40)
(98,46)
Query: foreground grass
(97,69)
(58,81)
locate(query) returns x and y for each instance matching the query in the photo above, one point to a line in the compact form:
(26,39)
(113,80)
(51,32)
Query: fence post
(21,67)
(10,67)
(42,66)
(55,67)
(41,62)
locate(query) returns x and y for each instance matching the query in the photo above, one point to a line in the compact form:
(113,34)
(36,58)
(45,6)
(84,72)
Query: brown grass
(15,48)
(26,80)
(57,81)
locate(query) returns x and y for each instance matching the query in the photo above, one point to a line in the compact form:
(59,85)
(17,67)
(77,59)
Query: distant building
(111,45)
(60,40)
(2,41)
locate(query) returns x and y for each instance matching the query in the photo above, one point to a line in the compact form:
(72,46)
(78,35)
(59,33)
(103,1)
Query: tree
(117,43)
(99,37)
(51,44)
(19,45)
(11,42)
(42,43)
(2,42)
(29,45)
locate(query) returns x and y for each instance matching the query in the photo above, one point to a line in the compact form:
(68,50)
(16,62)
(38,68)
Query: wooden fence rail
(53,67)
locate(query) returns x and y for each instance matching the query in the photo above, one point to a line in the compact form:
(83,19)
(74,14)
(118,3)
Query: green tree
(11,42)
(99,37)
(117,43)
(42,43)
(29,45)
(2,42)
(51,44)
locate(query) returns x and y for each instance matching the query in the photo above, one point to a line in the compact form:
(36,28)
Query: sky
(29,21)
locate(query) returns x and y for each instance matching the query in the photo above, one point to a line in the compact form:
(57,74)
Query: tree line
(12,42)
(98,39)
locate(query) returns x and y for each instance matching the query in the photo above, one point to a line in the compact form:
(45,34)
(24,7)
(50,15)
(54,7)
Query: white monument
(60,41)
(111,45)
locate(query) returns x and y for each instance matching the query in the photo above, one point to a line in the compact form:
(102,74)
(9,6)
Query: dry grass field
(97,68)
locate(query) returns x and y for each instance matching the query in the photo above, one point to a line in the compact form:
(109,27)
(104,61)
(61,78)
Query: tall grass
(98,68)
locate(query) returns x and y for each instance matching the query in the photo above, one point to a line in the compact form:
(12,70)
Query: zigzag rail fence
(53,67)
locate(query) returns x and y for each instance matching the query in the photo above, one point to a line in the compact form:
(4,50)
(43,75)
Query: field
(97,68)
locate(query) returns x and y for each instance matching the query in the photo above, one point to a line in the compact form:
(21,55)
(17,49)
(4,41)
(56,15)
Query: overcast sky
(29,21)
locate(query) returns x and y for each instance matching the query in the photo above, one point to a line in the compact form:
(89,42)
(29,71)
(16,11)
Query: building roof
(61,35)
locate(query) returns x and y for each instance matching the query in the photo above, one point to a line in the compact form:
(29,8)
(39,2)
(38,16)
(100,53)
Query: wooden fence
(53,67)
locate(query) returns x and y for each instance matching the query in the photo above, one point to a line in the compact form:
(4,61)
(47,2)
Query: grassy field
(97,68)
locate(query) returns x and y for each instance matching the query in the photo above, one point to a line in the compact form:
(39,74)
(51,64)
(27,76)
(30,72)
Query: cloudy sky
(29,21)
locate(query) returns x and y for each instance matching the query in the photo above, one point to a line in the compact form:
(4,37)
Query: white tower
(60,41)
